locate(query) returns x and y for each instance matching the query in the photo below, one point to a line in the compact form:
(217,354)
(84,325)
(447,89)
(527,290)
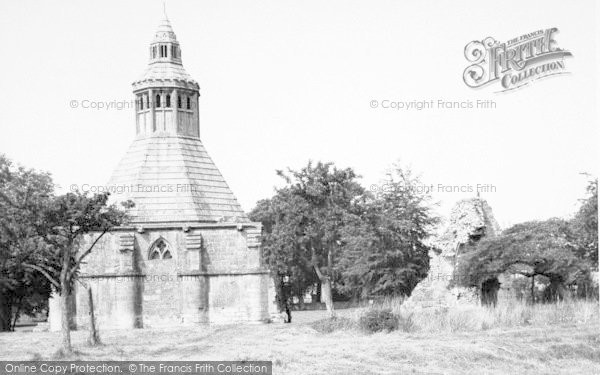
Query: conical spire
(164,32)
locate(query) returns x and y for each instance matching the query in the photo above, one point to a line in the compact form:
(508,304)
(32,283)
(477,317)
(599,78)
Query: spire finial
(165,10)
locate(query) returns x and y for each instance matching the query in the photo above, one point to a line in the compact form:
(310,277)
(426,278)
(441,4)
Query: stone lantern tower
(166,95)
(189,254)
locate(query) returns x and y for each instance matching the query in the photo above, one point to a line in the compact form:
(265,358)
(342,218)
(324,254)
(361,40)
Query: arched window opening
(141,103)
(179,102)
(168,101)
(157,101)
(189,103)
(160,250)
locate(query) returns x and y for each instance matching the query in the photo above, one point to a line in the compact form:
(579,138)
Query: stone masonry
(469,219)
(189,254)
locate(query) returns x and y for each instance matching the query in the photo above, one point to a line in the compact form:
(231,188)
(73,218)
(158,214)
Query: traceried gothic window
(168,101)
(189,103)
(160,250)
(157,101)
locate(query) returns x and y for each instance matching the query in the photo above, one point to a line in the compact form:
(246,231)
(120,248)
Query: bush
(376,320)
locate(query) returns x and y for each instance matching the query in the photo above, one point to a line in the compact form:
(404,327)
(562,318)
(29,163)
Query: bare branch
(84,254)
(43,272)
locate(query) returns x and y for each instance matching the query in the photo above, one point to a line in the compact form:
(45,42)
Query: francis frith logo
(514,63)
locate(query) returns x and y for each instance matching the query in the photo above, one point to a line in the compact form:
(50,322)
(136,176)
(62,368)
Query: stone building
(189,255)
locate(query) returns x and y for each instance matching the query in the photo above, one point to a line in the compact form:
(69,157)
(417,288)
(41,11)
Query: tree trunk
(64,307)
(94,338)
(532,289)
(5,312)
(327,296)
(65,321)
(17,313)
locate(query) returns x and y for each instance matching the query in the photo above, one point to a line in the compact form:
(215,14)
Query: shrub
(376,320)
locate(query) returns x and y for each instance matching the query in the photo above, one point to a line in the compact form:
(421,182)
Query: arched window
(160,250)
(168,101)
(141,103)
(157,101)
(189,103)
(179,102)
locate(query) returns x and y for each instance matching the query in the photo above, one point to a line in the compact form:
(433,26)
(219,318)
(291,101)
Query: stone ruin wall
(469,217)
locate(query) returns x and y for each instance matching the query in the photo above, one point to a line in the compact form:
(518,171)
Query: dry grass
(468,317)
(517,339)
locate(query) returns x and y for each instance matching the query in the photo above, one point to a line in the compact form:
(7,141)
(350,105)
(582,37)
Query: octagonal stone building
(189,254)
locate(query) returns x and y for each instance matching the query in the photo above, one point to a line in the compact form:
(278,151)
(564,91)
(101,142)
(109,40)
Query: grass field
(569,344)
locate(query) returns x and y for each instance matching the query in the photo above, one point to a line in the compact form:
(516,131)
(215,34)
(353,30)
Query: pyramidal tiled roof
(171,178)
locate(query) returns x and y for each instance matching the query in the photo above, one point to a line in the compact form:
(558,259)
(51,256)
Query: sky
(284,82)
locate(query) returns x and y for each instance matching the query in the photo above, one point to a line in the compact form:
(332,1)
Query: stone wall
(214,275)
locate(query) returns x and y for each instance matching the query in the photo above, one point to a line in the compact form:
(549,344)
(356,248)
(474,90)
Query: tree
(23,195)
(585,225)
(279,248)
(384,252)
(66,220)
(304,223)
(547,248)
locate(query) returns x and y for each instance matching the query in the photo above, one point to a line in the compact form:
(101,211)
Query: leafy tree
(323,227)
(585,226)
(546,248)
(304,223)
(279,244)
(23,195)
(384,251)
(66,220)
